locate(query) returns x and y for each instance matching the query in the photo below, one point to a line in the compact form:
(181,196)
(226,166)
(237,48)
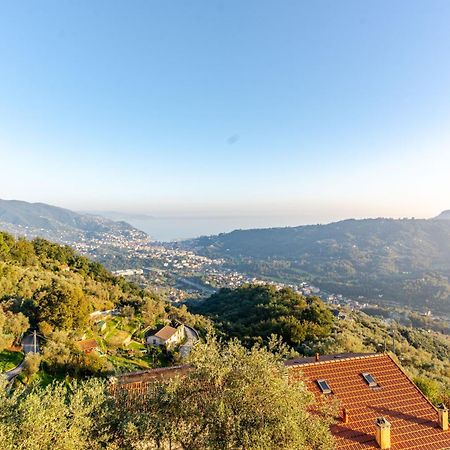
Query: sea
(175,228)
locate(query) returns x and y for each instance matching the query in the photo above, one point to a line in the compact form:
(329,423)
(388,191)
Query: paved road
(195,285)
(11,374)
(191,339)
(28,344)
(27,347)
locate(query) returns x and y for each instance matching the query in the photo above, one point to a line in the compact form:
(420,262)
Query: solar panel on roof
(370,380)
(324,386)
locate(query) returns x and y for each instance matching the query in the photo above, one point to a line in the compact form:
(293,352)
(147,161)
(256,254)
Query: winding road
(191,339)
(30,344)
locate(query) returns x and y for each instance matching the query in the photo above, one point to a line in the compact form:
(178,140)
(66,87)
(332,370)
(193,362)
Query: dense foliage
(12,326)
(53,284)
(404,260)
(59,417)
(50,287)
(233,398)
(254,313)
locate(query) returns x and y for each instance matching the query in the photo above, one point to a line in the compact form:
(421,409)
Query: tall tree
(16,325)
(62,305)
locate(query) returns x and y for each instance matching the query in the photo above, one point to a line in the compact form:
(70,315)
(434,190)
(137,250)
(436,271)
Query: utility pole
(34,341)
(393,342)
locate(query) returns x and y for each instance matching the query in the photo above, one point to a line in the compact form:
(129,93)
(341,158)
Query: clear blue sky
(318,109)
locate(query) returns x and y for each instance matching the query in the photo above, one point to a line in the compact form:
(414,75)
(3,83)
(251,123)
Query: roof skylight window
(324,386)
(370,380)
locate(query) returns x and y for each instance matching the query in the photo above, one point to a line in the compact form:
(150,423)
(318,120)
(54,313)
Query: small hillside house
(167,336)
(88,345)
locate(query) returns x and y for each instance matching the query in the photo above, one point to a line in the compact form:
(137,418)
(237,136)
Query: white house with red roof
(167,336)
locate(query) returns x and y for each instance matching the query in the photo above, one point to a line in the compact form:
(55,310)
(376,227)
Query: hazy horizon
(310,111)
(168,225)
(171,228)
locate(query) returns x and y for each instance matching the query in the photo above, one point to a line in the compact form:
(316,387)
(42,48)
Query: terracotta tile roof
(166,332)
(414,420)
(310,359)
(138,383)
(88,345)
(143,376)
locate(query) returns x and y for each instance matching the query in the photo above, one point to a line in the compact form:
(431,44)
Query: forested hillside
(406,260)
(254,313)
(59,224)
(54,284)
(51,288)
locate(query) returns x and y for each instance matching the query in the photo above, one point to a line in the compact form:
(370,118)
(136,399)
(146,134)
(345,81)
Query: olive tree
(58,417)
(232,398)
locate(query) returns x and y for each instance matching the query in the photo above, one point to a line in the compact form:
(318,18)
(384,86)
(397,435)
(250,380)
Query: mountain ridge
(30,220)
(444,215)
(404,260)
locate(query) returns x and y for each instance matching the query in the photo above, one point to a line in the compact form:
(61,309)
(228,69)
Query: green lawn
(123,364)
(124,357)
(9,360)
(43,378)
(137,346)
(117,338)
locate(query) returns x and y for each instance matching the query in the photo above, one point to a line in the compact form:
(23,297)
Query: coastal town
(183,274)
(179,275)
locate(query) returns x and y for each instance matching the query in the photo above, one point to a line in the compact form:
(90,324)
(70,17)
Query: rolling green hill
(58,224)
(255,313)
(53,289)
(407,261)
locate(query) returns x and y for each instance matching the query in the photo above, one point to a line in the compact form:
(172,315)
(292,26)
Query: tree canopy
(254,313)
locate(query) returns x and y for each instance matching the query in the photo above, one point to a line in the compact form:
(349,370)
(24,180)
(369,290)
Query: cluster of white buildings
(181,272)
(128,272)
(133,241)
(172,258)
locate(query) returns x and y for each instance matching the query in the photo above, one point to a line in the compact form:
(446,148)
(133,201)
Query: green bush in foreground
(234,398)
(59,417)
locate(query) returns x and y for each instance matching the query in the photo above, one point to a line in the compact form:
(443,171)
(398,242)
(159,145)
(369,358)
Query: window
(324,386)
(370,380)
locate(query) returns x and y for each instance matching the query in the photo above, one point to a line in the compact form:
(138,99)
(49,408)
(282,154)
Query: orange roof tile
(414,420)
(150,375)
(88,345)
(166,332)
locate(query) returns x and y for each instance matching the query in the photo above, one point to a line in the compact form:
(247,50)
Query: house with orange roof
(381,406)
(167,336)
(88,345)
